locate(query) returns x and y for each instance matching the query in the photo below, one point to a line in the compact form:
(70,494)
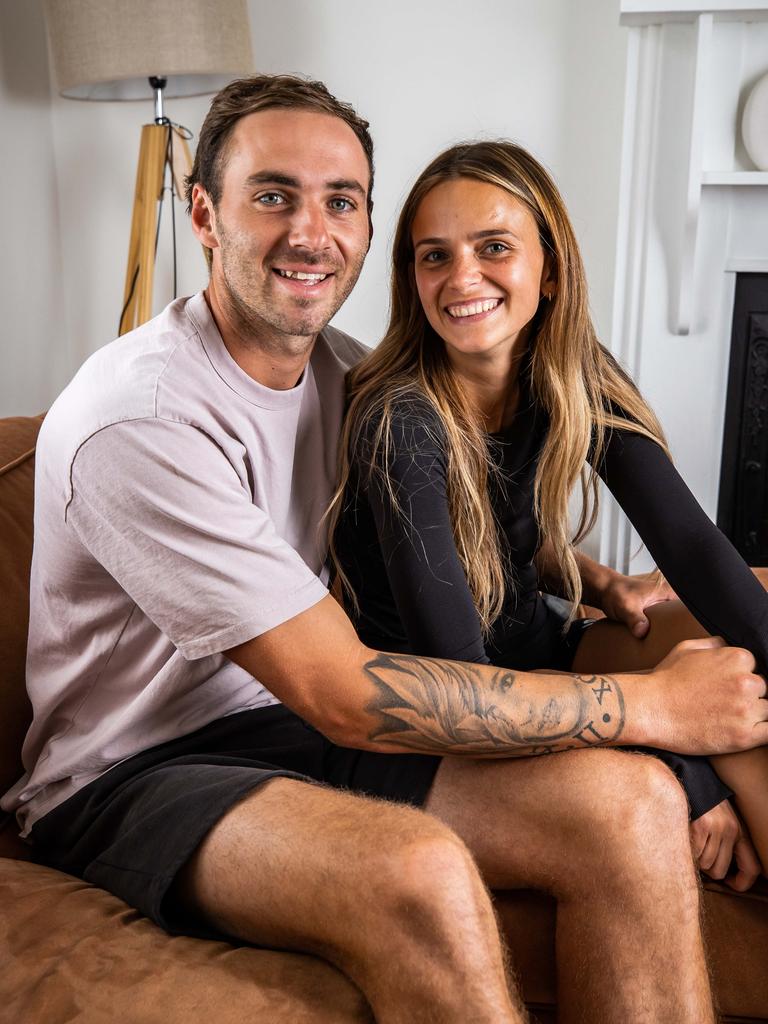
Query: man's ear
(370,226)
(203,216)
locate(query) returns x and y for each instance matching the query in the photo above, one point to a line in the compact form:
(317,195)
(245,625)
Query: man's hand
(703,698)
(718,837)
(625,599)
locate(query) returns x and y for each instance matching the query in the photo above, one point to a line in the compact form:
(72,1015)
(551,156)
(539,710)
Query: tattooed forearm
(447,706)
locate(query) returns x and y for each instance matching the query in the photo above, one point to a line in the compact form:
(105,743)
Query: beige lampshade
(107,49)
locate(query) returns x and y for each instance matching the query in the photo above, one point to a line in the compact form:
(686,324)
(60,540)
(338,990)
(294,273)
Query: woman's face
(480,268)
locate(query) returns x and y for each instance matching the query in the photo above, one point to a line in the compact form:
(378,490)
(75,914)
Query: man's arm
(703,698)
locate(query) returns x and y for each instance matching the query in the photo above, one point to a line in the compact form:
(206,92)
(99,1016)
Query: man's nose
(308,228)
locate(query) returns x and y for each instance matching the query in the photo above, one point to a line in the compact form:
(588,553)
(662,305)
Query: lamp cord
(185,134)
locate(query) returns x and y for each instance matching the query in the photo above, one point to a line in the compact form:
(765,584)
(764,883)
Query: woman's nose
(464,271)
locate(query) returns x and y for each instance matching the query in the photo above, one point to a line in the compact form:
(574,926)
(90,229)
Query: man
(181,481)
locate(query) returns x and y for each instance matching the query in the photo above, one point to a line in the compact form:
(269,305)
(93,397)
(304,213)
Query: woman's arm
(415,535)
(700,563)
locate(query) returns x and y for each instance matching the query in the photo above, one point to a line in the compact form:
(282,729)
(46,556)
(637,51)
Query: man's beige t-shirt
(178,513)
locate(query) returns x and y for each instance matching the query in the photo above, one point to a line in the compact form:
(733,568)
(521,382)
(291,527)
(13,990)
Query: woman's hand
(717,838)
(625,598)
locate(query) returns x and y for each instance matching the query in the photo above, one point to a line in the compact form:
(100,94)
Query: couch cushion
(17,440)
(73,952)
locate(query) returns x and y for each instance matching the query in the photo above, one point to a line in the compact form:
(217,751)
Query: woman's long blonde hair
(582,389)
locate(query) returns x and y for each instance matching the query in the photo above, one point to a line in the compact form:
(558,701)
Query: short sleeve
(159,505)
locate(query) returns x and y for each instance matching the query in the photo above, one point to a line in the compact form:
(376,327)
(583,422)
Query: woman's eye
(434,256)
(496,248)
(271,199)
(340,204)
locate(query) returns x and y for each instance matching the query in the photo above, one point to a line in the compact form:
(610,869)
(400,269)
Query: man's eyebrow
(346,185)
(272,178)
(475,236)
(280,178)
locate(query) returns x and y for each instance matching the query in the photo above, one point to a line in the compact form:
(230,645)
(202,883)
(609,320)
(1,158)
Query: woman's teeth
(473,308)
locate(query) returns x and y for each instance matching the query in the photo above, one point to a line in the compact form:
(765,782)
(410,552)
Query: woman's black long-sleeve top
(412,591)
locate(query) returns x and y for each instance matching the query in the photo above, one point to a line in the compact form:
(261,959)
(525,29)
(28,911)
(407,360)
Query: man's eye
(271,199)
(340,204)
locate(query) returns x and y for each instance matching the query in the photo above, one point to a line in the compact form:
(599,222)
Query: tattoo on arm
(447,706)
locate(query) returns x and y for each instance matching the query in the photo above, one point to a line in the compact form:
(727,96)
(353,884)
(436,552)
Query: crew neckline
(231,373)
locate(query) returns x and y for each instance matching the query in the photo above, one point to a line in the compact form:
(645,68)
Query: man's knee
(425,868)
(636,812)
(648,795)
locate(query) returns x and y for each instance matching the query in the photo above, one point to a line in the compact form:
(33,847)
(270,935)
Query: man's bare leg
(606,832)
(385,892)
(610,647)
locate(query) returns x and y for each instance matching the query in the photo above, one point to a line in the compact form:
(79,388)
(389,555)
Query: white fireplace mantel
(652,13)
(692,212)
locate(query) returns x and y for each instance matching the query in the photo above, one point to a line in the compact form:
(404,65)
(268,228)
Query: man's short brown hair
(264,92)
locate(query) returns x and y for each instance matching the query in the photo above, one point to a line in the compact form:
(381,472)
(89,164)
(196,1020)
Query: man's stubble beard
(267,324)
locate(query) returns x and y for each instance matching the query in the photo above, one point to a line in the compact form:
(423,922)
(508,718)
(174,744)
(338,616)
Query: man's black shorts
(132,829)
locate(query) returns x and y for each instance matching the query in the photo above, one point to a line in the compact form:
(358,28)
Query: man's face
(291,229)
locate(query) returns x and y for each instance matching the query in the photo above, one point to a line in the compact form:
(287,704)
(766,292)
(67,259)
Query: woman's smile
(472,311)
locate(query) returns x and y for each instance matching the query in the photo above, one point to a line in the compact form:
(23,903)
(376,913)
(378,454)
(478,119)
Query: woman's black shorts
(132,829)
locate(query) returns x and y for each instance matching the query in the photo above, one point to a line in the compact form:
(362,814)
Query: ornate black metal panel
(743,501)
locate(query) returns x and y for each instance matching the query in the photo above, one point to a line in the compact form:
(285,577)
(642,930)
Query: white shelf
(656,12)
(735,178)
(746,266)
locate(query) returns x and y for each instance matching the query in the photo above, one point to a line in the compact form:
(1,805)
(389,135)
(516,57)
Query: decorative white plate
(754,124)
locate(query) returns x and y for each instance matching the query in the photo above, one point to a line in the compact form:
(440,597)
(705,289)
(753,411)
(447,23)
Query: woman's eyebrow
(474,236)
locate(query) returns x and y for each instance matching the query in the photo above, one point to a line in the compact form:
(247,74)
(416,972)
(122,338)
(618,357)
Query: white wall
(34,343)
(589,161)
(426,74)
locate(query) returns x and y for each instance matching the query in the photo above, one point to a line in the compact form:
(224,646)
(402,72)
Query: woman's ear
(548,286)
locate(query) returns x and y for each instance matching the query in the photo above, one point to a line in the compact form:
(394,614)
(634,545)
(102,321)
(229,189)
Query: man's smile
(299,275)
(303,281)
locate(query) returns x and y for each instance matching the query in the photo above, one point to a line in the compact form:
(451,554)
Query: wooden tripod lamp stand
(114,50)
(163,147)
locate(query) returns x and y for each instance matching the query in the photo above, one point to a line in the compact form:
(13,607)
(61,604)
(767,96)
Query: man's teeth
(472,308)
(298,275)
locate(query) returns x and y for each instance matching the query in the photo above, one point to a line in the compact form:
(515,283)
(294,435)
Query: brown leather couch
(72,953)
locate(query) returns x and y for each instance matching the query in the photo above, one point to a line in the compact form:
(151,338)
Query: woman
(468,427)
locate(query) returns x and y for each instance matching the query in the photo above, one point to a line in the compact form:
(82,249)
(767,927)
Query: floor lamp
(139,50)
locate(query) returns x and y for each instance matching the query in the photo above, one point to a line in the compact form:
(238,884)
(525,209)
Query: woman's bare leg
(610,647)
